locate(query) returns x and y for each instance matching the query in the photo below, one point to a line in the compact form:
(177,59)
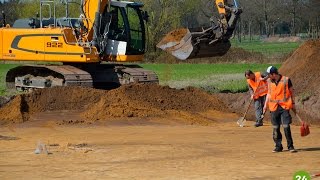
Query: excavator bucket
(187,44)
(198,43)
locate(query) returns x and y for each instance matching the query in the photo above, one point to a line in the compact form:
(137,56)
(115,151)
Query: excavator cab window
(137,36)
(117,29)
(127,25)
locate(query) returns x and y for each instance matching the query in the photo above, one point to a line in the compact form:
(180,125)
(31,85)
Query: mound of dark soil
(138,100)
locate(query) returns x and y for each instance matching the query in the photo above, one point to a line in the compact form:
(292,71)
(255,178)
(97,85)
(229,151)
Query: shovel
(241,121)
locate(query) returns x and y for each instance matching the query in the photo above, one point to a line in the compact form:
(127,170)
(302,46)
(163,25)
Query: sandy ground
(152,151)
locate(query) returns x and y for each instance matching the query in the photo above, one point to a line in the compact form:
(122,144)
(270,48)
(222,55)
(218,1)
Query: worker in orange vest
(280,100)
(258,88)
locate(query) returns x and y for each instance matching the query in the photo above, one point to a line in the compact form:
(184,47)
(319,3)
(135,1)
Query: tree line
(261,18)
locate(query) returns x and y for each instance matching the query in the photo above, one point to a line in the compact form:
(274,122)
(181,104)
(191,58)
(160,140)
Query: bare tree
(10,9)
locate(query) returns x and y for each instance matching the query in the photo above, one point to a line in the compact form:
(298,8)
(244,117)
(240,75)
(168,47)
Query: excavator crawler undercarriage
(103,76)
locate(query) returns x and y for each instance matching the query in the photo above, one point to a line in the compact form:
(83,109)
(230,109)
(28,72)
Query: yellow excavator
(104,31)
(204,42)
(92,49)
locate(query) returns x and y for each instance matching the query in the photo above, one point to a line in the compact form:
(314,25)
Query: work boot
(292,150)
(278,149)
(257,124)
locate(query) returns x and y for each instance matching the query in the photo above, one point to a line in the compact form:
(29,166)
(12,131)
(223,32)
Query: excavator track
(73,76)
(136,74)
(103,76)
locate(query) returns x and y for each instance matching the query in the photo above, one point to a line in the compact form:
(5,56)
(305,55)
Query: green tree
(165,16)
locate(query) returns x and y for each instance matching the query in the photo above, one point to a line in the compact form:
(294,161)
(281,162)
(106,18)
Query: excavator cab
(212,41)
(125,26)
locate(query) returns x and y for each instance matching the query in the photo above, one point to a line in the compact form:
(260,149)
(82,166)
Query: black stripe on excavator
(16,40)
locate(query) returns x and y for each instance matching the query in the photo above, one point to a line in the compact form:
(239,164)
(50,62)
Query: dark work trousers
(258,105)
(281,117)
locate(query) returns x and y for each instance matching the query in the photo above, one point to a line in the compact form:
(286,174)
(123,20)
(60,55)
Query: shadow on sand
(8,138)
(309,149)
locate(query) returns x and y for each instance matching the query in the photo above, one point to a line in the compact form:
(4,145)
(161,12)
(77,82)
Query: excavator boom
(186,43)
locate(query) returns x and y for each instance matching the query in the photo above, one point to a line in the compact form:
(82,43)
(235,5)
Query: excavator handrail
(47,2)
(78,41)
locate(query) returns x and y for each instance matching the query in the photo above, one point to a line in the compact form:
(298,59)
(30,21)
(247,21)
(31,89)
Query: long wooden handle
(245,113)
(296,114)
(254,93)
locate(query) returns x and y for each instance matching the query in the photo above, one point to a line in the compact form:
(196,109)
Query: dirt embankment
(139,100)
(303,67)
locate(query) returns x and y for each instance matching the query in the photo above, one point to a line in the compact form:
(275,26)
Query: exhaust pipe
(4,23)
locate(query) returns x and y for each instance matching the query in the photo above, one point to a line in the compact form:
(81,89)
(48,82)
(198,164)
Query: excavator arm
(204,42)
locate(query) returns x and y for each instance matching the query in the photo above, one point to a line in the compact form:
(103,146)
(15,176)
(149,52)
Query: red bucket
(304,129)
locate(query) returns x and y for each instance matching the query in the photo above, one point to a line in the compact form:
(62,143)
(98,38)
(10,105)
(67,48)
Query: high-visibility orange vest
(279,94)
(260,87)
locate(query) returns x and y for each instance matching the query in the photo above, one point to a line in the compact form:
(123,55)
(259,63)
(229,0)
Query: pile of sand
(304,70)
(138,100)
(50,99)
(145,100)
